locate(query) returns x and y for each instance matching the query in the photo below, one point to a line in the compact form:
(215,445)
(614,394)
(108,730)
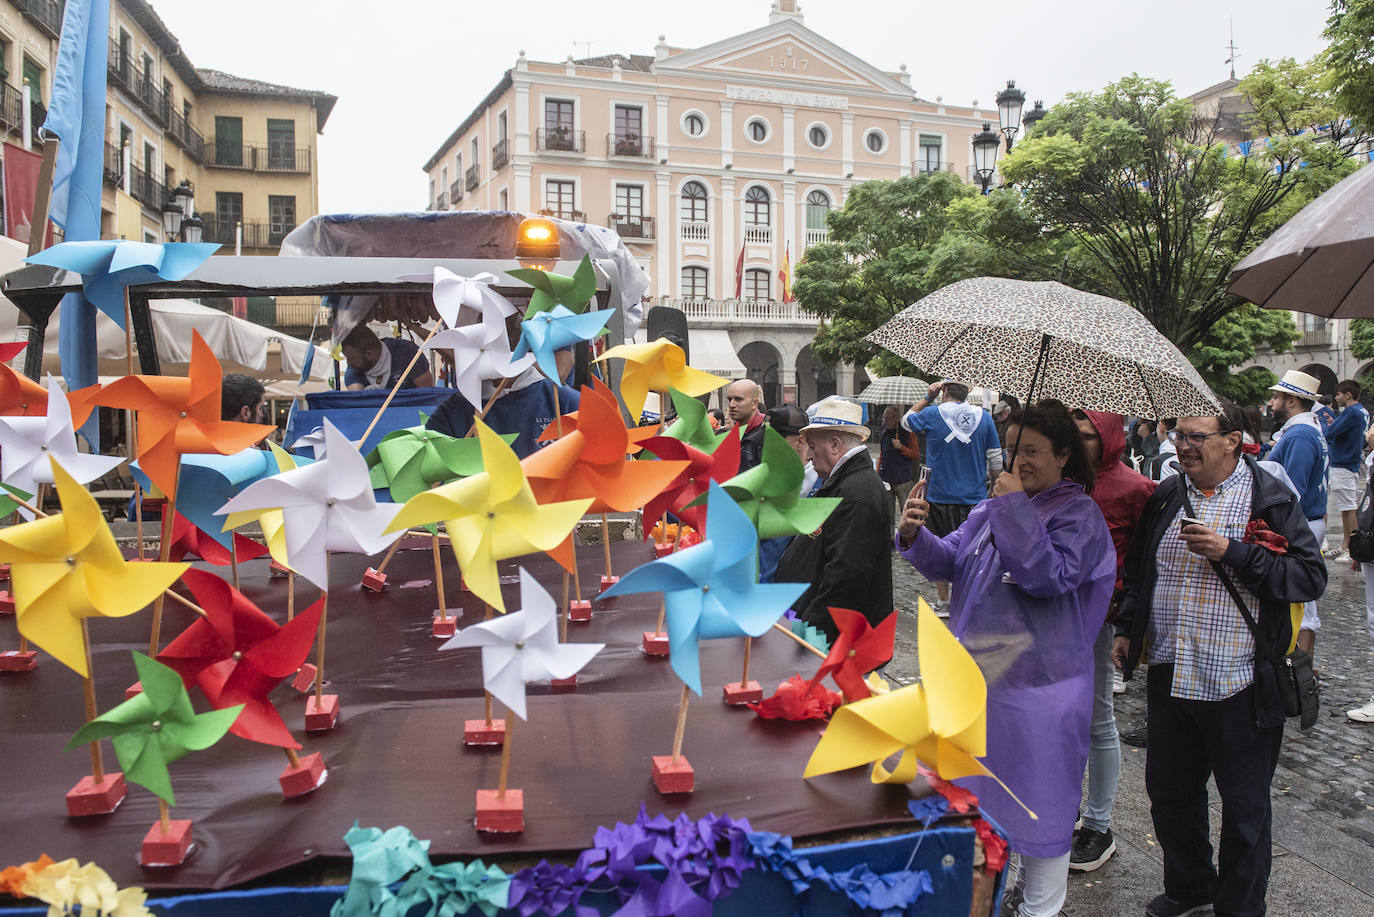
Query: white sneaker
(1363,714)
(941,609)
(1118,682)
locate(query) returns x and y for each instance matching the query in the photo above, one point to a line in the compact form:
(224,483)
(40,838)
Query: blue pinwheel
(108,266)
(711,590)
(555,329)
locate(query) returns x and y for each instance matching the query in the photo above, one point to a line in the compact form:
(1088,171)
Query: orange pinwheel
(566,424)
(178,416)
(19,395)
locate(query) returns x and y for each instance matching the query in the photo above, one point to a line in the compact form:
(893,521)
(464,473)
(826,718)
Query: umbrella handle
(1040,362)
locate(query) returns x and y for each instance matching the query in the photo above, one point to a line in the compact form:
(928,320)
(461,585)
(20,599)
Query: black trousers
(1189,741)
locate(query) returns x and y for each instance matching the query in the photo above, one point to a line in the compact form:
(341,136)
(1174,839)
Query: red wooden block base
(304,681)
(15,661)
(608,581)
(6,602)
(501,816)
(655,644)
(662,550)
(297,781)
(563,685)
(374,581)
(134,690)
(4,571)
(321,714)
(672,777)
(91,798)
(480,732)
(445,627)
(580,611)
(750,692)
(168,849)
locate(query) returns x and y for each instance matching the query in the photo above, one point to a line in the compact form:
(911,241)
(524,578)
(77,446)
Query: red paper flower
(190,539)
(858,650)
(237,655)
(1258,532)
(994,845)
(796,700)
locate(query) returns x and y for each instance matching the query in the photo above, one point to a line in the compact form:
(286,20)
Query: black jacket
(751,448)
(848,560)
(1277,579)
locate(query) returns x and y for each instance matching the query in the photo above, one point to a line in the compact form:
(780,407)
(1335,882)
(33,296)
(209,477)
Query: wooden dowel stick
(234,560)
(744,679)
(563,618)
(496,393)
(606,543)
(439,579)
(681,723)
(662,614)
(162,816)
(23,644)
(88,688)
(291,757)
(789,633)
(181,599)
(488,709)
(164,553)
(577,574)
(290,594)
(505,756)
(138,517)
(419,351)
(319,642)
(391,552)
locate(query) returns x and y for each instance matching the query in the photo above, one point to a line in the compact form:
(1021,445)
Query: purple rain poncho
(1031,578)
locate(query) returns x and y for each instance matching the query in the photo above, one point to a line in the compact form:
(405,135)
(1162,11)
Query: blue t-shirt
(525,412)
(401,352)
(1302,452)
(1345,435)
(958,470)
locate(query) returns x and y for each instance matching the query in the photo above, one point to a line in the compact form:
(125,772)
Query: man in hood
(1121,494)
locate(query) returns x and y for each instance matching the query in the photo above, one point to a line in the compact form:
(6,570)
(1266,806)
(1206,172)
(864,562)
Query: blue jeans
(1104,757)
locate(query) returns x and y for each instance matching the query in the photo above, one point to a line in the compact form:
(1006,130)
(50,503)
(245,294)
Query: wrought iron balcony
(926,168)
(626,227)
(147,190)
(255,235)
(560,140)
(573,216)
(185,135)
(46,14)
(500,154)
(455,191)
(114,165)
(441,202)
(472,177)
(138,85)
(630,145)
(270,158)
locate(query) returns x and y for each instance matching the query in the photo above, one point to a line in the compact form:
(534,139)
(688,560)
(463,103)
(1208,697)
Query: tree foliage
(1349,59)
(1362,338)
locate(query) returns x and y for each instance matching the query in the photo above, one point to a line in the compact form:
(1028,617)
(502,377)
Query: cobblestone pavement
(1323,792)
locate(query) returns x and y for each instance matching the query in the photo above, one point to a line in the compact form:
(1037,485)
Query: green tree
(1349,59)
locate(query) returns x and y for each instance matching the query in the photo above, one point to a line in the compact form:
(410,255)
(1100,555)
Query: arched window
(694,202)
(756,284)
(817,206)
(694,279)
(758,207)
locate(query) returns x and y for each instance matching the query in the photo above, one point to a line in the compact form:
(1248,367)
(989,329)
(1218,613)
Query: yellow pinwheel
(67,567)
(491,516)
(657,367)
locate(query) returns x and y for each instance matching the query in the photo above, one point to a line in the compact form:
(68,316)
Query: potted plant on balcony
(627,145)
(558,138)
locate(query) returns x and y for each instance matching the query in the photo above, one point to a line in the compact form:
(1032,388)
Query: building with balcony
(706,160)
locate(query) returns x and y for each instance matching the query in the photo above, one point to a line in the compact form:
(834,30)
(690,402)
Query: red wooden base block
(480,732)
(445,627)
(501,815)
(134,690)
(750,692)
(15,661)
(563,685)
(310,776)
(321,715)
(662,550)
(91,798)
(6,602)
(655,644)
(373,580)
(168,849)
(304,681)
(672,777)
(580,611)
(4,571)
(608,581)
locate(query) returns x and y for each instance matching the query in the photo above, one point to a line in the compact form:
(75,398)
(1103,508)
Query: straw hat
(1298,383)
(839,415)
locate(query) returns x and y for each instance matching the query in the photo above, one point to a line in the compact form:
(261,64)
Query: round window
(757,130)
(875,141)
(693,124)
(818,136)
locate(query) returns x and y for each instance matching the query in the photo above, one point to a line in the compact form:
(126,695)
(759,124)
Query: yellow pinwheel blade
(52,618)
(119,591)
(957,695)
(869,730)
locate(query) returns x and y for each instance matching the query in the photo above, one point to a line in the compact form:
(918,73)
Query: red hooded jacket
(1119,492)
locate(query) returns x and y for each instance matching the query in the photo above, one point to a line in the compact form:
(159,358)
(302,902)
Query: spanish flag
(785,274)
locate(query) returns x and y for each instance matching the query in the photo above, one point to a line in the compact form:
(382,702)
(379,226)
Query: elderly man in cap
(1300,447)
(848,560)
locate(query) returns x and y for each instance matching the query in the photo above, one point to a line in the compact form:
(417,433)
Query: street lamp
(1032,117)
(185,197)
(193,228)
(985,146)
(179,220)
(172,216)
(1010,101)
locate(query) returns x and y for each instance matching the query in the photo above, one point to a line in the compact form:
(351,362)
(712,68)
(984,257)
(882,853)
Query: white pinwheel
(481,351)
(27,442)
(327,506)
(522,646)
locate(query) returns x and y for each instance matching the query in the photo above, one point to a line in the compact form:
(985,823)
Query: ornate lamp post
(986,143)
(1010,101)
(1032,117)
(179,220)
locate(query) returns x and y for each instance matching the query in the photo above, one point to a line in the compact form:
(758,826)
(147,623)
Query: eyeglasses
(1194,439)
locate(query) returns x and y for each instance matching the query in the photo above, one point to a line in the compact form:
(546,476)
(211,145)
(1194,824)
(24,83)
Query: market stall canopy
(713,352)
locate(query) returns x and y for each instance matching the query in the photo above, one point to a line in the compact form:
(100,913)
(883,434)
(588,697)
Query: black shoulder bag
(1289,680)
(1362,539)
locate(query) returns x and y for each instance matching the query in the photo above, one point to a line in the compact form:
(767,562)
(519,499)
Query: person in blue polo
(1301,448)
(1345,436)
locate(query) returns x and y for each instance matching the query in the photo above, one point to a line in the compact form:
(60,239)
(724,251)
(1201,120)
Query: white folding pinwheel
(481,351)
(522,646)
(328,506)
(454,292)
(28,442)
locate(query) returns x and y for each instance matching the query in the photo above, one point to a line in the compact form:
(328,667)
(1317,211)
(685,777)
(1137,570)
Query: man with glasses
(1207,718)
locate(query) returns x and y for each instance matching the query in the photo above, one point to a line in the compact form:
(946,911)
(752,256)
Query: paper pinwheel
(327,506)
(657,367)
(770,492)
(859,649)
(550,289)
(155,728)
(28,442)
(177,416)
(522,646)
(711,590)
(591,461)
(566,424)
(491,516)
(481,351)
(190,540)
(19,395)
(271,521)
(412,460)
(693,424)
(208,481)
(683,496)
(555,329)
(941,721)
(67,567)
(236,654)
(107,267)
(454,292)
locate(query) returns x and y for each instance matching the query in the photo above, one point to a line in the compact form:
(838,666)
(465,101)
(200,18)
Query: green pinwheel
(412,460)
(550,289)
(770,492)
(693,424)
(156,728)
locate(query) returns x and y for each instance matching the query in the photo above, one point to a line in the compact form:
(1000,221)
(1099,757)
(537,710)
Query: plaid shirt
(1194,623)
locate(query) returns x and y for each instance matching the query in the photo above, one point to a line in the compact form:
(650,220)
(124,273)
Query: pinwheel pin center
(238,654)
(155,725)
(520,644)
(71,561)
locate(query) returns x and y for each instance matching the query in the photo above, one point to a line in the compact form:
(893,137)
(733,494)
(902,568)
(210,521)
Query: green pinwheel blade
(164,689)
(7,502)
(552,289)
(132,714)
(801,517)
(142,757)
(200,732)
(785,468)
(693,424)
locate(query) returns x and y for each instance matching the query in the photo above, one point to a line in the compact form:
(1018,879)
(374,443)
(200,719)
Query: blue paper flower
(108,266)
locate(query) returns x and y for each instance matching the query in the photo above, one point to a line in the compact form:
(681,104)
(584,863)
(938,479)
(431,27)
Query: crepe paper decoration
(552,290)
(685,496)
(929,809)
(236,655)
(382,859)
(960,800)
(811,634)
(858,649)
(890,893)
(176,416)
(108,267)
(155,728)
(412,460)
(994,846)
(190,540)
(712,590)
(523,646)
(327,506)
(657,367)
(12,878)
(558,328)
(770,492)
(66,886)
(27,442)
(66,567)
(491,516)
(798,700)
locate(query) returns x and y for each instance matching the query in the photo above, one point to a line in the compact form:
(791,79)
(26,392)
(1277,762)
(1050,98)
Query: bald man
(745,400)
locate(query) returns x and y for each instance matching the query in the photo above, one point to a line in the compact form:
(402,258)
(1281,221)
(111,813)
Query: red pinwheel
(705,467)
(237,655)
(858,650)
(189,539)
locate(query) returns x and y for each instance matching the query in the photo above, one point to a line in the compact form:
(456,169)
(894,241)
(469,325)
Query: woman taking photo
(1032,571)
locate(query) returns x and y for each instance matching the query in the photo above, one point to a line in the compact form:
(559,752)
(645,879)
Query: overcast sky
(408,71)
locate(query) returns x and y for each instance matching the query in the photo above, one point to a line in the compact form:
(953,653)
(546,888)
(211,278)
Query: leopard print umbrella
(1088,351)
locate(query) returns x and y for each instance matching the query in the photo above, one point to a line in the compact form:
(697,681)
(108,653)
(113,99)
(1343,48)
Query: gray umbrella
(1088,351)
(1320,260)
(893,390)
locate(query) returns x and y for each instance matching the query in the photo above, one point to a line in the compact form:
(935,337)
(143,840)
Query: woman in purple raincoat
(1033,570)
